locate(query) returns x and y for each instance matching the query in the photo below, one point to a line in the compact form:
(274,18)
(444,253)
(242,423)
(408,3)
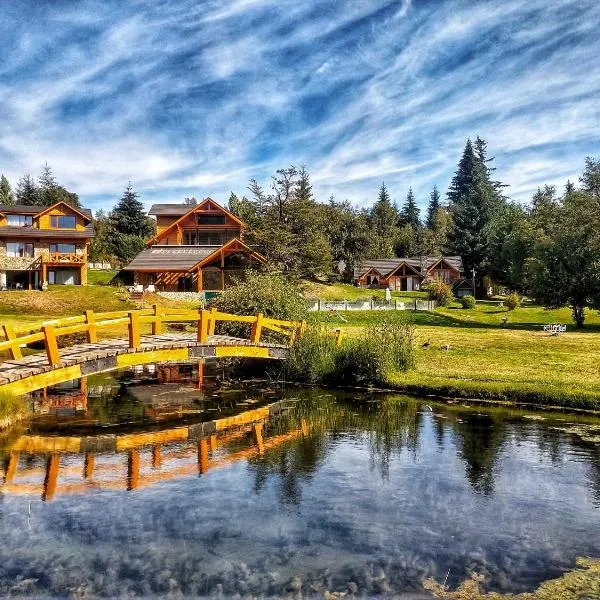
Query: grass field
(344,291)
(470,353)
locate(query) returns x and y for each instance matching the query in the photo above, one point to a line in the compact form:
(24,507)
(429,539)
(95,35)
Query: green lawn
(100,277)
(344,291)
(470,353)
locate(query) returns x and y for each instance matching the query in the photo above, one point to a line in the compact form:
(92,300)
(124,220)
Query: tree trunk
(578,315)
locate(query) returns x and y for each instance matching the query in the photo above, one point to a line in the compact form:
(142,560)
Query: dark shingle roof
(169,258)
(170,209)
(386,265)
(34,232)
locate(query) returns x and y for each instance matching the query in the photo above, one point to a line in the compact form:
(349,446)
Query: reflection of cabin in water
(196,248)
(407,274)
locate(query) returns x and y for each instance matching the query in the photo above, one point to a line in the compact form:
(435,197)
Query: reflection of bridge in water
(51,465)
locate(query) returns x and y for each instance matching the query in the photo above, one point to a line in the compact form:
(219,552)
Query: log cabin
(408,274)
(44,245)
(196,248)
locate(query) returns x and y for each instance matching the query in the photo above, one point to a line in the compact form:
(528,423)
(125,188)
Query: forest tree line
(549,249)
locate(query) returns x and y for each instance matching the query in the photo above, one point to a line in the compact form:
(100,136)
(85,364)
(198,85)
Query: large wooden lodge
(196,248)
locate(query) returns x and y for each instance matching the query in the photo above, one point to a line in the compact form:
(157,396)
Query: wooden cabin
(407,274)
(196,248)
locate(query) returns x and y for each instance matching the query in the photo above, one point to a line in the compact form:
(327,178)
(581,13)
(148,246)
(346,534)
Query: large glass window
(62,248)
(19,220)
(211,219)
(19,250)
(62,222)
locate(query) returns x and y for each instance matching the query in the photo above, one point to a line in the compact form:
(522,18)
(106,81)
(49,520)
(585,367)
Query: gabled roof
(26,209)
(230,247)
(192,210)
(86,217)
(170,258)
(170,209)
(404,263)
(421,264)
(453,265)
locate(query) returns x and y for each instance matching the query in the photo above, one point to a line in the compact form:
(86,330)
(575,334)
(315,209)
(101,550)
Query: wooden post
(88,465)
(92,330)
(52,351)
(200,373)
(319,305)
(156,456)
(213,321)
(9,334)
(11,469)
(302,328)
(304,427)
(199,280)
(133,469)
(258,438)
(157,323)
(203,318)
(395,303)
(134,329)
(51,478)
(256,329)
(338,337)
(202,456)
(44,271)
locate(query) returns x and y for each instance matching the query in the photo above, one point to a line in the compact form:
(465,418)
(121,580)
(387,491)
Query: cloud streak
(195,98)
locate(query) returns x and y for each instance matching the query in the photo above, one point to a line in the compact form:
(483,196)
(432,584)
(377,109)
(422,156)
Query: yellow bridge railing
(90,323)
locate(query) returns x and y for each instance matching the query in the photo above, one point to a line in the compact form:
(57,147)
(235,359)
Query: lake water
(138,483)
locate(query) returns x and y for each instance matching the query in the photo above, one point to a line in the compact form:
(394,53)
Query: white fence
(99,266)
(339,305)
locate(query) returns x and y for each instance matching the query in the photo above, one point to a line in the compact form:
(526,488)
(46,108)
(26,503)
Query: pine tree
(128,216)
(190,201)
(27,192)
(465,174)
(383,218)
(569,187)
(6,196)
(432,208)
(591,177)
(410,213)
(50,192)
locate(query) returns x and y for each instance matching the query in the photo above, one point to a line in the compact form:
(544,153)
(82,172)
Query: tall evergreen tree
(128,216)
(465,175)
(590,179)
(410,213)
(383,218)
(6,196)
(50,192)
(27,192)
(434,205)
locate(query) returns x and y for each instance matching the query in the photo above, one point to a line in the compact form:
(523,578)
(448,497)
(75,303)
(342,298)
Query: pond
(138,483)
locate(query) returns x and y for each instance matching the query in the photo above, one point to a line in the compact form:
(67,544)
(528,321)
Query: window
(19,220)
(211,219)
(62,248)
(62,222)
(19,249)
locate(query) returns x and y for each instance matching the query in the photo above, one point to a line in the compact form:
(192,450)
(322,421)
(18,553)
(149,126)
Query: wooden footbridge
(120,339)
(49,465)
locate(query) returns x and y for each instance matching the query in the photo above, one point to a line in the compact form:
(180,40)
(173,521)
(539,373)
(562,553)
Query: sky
(192,98)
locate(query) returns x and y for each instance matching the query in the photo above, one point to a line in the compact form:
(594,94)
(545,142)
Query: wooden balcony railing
(65,258)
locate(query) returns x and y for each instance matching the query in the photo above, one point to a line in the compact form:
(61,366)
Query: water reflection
(142,483)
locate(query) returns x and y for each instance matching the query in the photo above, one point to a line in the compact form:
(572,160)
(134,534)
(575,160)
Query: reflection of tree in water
(480,438)
(389,425)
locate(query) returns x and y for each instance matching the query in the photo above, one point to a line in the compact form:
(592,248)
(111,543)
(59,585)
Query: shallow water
(139,483)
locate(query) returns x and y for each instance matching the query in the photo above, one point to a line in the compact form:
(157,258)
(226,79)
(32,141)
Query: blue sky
(185,97)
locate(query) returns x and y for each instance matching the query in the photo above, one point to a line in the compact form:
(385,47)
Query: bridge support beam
(52,465)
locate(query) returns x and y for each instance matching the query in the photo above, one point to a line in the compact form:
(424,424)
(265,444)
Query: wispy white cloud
(195,98)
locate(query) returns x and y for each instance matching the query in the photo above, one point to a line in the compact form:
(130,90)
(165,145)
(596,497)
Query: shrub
(467,302)
(439,291)
(381,349)
(269,293)
(512,301)
(312,357)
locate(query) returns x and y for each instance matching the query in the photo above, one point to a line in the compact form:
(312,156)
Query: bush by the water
(512,301)
(381,349)
(467,302)
(439,291)
(269,293)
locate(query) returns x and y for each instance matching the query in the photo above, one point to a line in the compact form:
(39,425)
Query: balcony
(65,258)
